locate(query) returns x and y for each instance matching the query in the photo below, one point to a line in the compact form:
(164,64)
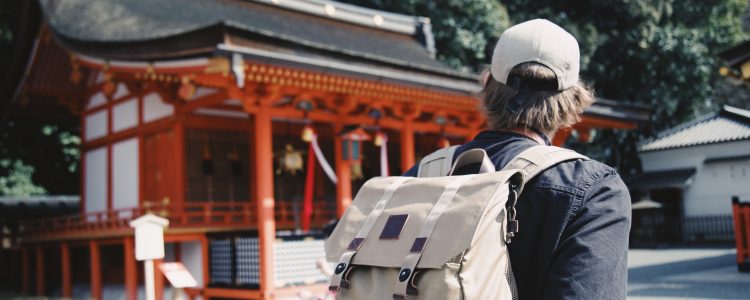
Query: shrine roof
(170,29)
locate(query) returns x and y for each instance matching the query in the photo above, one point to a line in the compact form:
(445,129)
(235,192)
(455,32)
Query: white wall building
(694,170)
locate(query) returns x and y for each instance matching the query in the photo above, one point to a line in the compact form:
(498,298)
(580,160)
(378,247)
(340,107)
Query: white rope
(323,162)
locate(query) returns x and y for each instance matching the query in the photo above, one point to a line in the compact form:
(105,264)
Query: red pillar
(96,270)
(204,254)
(158,280)
(26,271)
(67,287)
(39,270)
(561,135)
(407,145)
(344,173)
(131,267)
(263,144)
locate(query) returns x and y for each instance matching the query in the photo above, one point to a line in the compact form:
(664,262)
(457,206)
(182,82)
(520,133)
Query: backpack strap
(437,163)
(530,163)
(536,159)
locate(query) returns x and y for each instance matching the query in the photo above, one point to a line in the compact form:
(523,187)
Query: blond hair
(543,110)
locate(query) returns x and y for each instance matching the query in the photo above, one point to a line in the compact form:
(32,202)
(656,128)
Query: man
(574,217)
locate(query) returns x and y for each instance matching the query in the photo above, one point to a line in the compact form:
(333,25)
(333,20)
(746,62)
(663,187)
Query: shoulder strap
(438,163)
(536,159)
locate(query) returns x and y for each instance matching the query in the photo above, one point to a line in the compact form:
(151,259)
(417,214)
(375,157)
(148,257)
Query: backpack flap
(396,228)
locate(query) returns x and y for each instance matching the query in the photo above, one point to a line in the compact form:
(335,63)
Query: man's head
(533,79)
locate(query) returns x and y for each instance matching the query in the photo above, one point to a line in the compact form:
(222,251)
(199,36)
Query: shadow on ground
(714,277)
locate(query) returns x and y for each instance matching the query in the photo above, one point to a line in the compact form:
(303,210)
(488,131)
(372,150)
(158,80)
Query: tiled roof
(731,124)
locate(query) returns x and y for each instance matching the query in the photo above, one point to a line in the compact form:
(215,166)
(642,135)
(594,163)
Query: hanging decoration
(290,161)
(307,205)
(380,139)
(351,141)
(323,161)
(207,166)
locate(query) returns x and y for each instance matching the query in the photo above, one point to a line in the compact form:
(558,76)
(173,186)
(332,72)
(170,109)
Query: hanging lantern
(290,161)
(379,138)
(207,163)
(307,133)
(234,162)
(187,89)
(352,149)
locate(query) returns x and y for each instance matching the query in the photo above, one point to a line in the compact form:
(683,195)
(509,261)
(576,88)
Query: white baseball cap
(538,41)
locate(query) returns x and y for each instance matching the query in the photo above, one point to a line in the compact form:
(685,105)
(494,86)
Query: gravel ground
(686,274)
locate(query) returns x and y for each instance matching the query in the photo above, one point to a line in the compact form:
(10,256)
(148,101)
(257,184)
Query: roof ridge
(736,112)
(369,17)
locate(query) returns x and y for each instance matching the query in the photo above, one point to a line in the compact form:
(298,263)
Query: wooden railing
(215,214)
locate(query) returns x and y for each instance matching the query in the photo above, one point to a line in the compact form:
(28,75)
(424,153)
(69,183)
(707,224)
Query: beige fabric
(437,163)
(474,156)
(465,256)
(366,228)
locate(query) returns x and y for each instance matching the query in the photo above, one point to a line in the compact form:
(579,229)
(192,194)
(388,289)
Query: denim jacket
(574,222)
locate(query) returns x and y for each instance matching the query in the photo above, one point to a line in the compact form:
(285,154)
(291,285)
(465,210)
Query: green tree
(465,30)
(662,53)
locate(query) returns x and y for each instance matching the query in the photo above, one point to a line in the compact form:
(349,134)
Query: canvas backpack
(435,236)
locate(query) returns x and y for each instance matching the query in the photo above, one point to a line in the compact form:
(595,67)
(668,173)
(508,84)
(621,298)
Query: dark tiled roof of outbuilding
(730,124)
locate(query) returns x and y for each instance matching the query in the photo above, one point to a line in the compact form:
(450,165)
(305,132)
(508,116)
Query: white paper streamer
(322,160)
(384,156)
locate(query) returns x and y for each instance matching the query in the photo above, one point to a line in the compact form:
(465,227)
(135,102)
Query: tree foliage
(465,30)
(661,53)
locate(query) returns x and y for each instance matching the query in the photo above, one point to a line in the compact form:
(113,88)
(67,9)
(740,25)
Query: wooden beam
(67,287)
(40,270)
(263,144)
(232,293)
(96,270)
(131,269)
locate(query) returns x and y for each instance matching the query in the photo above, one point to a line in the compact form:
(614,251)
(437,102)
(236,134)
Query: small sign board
(178,275)
(149,237)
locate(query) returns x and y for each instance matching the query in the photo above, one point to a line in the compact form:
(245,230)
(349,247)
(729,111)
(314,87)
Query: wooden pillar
(263,144)
(25,271)
(67,286)
(96,270)
(158,280)
(205,258)
(39,270)
(343,173)
(407,145)
(561,135)
(131,269)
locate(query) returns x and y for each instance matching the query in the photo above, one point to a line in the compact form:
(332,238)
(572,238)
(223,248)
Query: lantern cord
(384,156)
(323,162)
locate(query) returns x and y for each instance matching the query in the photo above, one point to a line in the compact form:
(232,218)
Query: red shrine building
(233,119)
